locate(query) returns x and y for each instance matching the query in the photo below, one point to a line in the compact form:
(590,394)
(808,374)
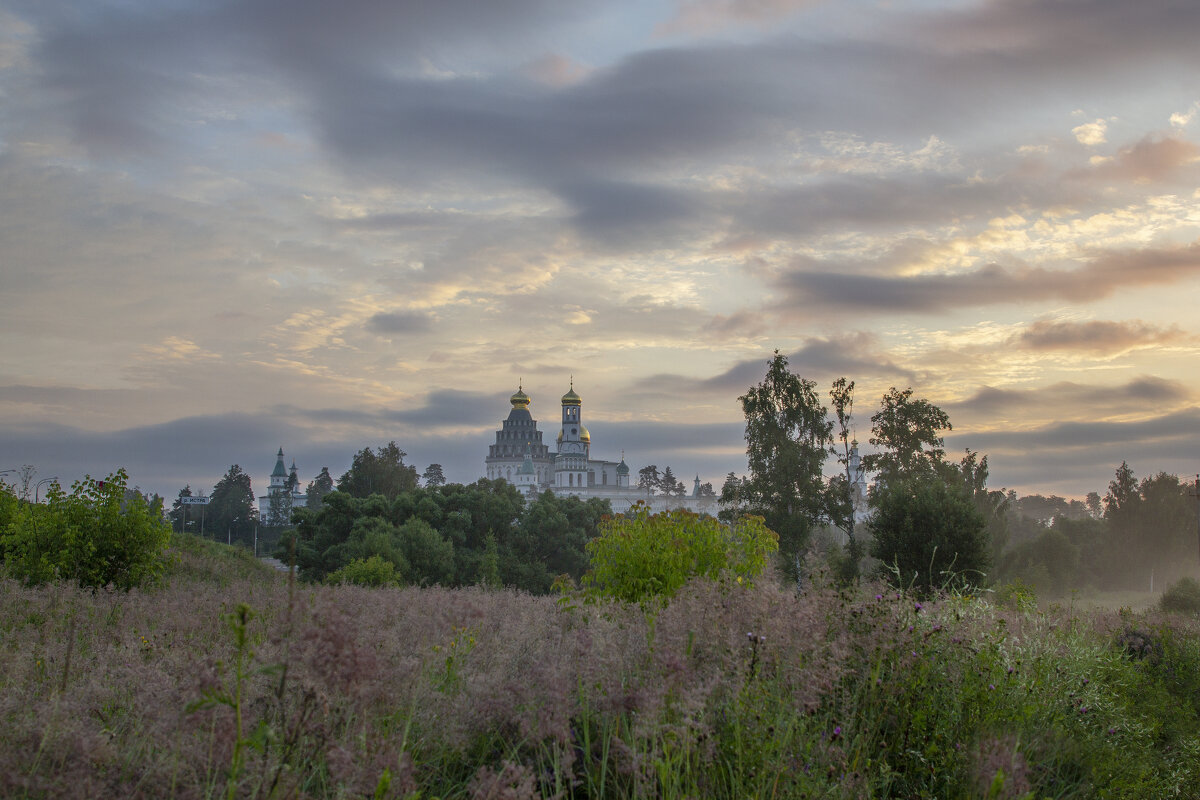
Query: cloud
(389,322)
(989,285)
(1091,133)
(702,16)
(1100,337)
(992,407)
(1153,159)
(820,359)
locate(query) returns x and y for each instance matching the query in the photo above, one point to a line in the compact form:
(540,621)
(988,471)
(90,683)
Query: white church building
(520,457)
(283,494)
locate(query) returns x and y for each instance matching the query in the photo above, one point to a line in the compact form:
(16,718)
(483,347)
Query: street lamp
(39,486)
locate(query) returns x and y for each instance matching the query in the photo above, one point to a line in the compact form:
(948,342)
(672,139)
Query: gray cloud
(389,322)
(856,355)
(989,285)
(1095,336)
(1136,396)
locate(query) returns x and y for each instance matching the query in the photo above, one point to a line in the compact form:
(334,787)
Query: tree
(98,534)
(840,502)
(667,482)
(928,534)
(648,479)
(381,472)
(787,439)
(179,515)
(730,499)
(433,475)
(230,513)
(908,433)
(992,504)
(318,487)
(1122,498)
(706,490)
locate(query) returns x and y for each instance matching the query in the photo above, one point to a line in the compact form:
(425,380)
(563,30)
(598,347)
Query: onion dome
(570,398)
(622,468)
(520,399)
(584,436)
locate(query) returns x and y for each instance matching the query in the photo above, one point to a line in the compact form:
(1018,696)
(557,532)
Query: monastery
(520,457)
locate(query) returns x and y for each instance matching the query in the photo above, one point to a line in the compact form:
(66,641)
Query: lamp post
(39,486)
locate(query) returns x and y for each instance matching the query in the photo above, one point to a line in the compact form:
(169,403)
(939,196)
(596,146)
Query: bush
(648,556)
(101,533)
(374,572)
(1183,597)
(929,534)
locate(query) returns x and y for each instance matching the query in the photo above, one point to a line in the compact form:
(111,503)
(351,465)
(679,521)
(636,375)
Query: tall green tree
(433,475)
(648,479)
(908,433)
(667,482)
(992,504)
(787,439)
(380,472)
(317,488)
(230,515)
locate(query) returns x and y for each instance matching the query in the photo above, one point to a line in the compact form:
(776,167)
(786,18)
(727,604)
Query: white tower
(574,442)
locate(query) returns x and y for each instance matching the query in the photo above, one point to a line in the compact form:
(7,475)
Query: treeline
(450,534)
(1139,533)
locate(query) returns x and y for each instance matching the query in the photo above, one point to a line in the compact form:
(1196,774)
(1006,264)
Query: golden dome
(584,436)
(570,398)
(520,399)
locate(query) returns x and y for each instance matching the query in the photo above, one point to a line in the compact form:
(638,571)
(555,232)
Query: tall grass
(727,692)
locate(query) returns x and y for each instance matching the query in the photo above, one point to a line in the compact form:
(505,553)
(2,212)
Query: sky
(232,226)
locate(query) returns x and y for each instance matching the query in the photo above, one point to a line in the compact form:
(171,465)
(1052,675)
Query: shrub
(100,533)
(647,556)
(1183,597)
(374,571)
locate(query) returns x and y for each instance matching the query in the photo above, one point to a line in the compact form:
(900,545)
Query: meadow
(232,680)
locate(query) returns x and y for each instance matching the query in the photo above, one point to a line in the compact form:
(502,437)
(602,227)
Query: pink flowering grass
(727,691)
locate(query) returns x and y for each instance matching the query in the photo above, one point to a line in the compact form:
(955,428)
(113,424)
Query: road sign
(193,501)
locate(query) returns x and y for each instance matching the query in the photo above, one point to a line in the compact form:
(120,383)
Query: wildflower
(917,607)
(991,687)
(878,597)
(837,731)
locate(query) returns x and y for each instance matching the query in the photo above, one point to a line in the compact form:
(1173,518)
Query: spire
(280,470)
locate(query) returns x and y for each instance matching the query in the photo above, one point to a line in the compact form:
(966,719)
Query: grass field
(230,681)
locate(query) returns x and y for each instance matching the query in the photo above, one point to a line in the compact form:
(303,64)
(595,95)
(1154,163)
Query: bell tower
(574,442)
